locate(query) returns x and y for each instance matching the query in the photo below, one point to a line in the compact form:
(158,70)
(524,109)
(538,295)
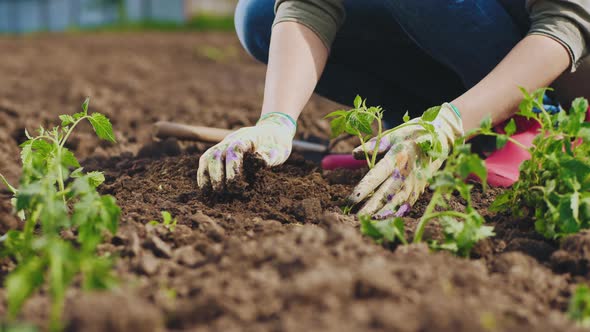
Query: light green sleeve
(324,17)
(565,21)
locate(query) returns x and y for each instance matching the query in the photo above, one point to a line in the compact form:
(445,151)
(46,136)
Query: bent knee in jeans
(253,21)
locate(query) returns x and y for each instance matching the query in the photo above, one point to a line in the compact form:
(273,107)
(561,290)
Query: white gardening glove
(271,140)
(401,176)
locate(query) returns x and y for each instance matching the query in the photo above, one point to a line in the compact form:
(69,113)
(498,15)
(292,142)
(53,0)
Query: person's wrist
(278,118)
(452,116)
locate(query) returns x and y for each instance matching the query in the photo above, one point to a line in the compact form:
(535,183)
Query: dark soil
(277,256)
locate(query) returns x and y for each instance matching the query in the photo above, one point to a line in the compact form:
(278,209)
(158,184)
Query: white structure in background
(219,7)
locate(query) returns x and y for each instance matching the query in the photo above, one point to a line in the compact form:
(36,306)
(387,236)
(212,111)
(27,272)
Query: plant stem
(365,151)
(408,124)
(11,188)
(70,130)
(425,217)
(60,146)
(455,214)
(60,176)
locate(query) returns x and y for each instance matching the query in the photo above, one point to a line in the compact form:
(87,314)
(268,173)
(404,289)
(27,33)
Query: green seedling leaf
(50,200)
(68,159)
(486,125)
(336,114)
(102,126)
(66,120)
(406,117)
(22,282)
(431,114)
(358,102)
(510,128)
(383,230)
(95,178)
(579,306)
(338,126)
(360,122)
(85,106)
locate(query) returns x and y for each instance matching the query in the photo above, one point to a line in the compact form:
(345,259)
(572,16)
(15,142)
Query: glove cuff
(452,117)
(278,118)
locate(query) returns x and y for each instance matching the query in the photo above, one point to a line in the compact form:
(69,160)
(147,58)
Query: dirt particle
(159,247)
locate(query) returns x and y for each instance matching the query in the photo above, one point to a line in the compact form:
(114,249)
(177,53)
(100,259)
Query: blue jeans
(403,54)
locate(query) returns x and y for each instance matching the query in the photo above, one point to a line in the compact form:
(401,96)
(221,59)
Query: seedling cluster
(55,197)
(462,230)
(554,185)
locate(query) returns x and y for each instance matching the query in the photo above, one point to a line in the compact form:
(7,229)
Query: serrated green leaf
(361,122)
(510,128)
(102,126)
(431,113)
(95,178)
(334,114)
(79,116)
(66,120)
(368,229)
(85,106)
(358,102)
(338,126)
(406,117)
(486,124)
(580,106)
(68,159)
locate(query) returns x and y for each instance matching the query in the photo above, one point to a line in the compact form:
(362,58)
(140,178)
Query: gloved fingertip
(403,210)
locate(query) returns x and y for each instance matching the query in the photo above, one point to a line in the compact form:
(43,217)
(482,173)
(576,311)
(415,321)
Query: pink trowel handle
(346,161)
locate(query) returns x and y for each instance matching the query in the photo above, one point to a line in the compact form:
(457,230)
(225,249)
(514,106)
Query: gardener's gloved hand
(271,140)
(401,176)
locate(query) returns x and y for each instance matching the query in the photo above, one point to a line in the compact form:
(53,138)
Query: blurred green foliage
(201,22)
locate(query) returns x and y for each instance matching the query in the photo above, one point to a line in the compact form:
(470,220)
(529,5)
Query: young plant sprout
(167,221)
(55,195)
(554,185)
(360,120)
(462,230)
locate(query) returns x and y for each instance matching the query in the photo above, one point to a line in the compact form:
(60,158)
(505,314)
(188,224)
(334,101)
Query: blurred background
(27,16)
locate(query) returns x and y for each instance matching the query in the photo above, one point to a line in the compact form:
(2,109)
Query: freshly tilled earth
(278,256)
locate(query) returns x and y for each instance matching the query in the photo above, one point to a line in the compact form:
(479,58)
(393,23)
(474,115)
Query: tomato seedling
(360,120)
(55,196)
(462,230)
(554,185)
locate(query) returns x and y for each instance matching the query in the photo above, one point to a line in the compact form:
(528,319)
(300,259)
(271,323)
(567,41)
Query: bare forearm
(534,63)
(297,58)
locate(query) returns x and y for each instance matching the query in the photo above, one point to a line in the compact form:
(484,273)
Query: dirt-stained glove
(271,140)
(401,176)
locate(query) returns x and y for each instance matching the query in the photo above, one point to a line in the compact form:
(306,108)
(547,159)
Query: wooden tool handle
(164,129)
